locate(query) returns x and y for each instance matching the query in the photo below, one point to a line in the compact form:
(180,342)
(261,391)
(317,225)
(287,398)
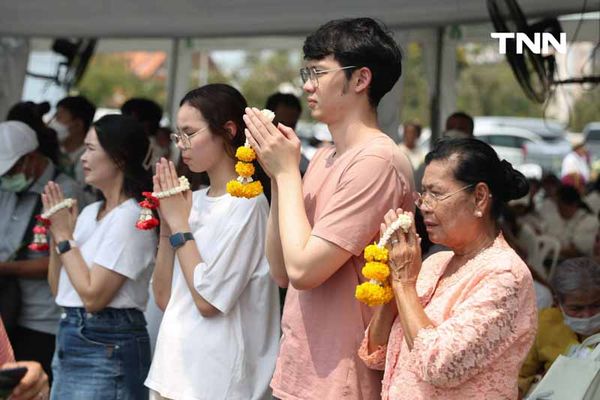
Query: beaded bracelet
(40,229)
(151,202)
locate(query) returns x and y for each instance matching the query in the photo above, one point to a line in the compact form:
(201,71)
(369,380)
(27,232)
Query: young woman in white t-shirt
(100,270)
(220,331)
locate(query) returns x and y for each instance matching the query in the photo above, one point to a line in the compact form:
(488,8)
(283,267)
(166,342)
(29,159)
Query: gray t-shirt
(38,309)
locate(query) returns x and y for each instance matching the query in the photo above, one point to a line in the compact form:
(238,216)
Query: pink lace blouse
(485,317)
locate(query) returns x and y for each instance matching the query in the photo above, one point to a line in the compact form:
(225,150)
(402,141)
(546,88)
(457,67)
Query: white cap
(16,140)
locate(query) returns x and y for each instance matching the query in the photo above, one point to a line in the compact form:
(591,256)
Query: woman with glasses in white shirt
(219,334)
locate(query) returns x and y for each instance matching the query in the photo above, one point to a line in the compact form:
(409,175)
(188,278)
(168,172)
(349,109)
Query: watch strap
(178,239)
(65,245)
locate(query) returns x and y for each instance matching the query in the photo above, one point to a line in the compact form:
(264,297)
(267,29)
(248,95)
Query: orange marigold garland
(244,186)
(376,290)
(40,229)
(147,220)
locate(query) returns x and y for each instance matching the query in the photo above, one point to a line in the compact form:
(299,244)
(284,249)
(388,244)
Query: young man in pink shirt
(318,227)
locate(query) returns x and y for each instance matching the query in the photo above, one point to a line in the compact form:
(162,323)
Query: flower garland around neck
(376,290)
(147,220)
(40,230)
(244,186)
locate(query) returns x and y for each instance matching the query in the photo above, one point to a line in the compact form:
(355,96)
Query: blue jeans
(101,356)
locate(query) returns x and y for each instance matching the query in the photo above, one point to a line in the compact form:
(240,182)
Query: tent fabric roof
(229,18)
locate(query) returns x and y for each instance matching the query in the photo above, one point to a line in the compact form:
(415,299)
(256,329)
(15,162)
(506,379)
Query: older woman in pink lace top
(463,320)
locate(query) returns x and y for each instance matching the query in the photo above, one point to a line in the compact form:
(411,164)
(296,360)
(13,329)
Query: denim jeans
(101,356)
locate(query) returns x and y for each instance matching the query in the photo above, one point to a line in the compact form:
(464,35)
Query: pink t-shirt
(345,199)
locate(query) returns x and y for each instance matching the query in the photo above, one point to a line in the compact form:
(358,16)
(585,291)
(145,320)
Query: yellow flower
(376,270)
(244,169)
(246,154)
(252,189)
(246,190)
(376,253)
(234,188)
(372,294)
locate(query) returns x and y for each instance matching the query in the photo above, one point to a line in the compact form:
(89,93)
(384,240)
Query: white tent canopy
(268,23)
(218,18)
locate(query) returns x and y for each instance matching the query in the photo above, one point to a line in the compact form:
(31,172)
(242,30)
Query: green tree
(491,89)
(585,110)
(108,81)
(415,92)
(264,72)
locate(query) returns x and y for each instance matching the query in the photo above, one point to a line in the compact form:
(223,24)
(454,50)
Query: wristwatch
(65,245)
(178,239)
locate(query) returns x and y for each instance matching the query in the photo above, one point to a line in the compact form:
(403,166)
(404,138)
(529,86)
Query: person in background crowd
(575,169)
(409,145)
(576,285)
(459,125)
(24,171)
(577,227)
(73,118)
(149,113)
(31,114)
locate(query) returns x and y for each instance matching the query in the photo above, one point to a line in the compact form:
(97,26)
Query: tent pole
(437,87)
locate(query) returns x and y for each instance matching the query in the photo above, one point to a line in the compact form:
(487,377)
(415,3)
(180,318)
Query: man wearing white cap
(24,172)
(576,166)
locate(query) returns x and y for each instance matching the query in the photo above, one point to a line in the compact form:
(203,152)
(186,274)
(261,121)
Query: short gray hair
(574,276)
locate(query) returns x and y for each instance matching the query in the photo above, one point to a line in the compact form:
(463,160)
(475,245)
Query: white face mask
(583,326)
(62,131)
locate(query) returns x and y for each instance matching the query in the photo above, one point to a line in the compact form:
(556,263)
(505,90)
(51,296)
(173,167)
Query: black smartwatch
(178,239)
(65,245)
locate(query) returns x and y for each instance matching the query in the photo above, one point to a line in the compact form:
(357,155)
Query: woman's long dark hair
(220,103)
(126,143)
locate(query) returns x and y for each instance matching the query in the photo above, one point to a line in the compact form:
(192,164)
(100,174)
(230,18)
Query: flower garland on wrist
(377,291)
(147,220)
(40,230)
(244,186)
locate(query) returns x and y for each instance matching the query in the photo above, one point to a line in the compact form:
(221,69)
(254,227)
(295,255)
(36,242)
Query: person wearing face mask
(24,171)
(73,118)
(576,285)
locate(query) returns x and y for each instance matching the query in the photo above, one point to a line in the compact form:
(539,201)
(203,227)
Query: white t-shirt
(231,355)
(116,244)
(573,163)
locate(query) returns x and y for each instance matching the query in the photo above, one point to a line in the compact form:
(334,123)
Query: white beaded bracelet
(404,221)
(184,185)
(66,203)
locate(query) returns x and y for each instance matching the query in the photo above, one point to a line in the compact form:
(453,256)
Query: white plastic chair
(546,247)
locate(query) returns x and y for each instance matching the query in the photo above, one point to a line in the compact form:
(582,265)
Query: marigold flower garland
(377,291)
(244,185)
(40,230)
(147,220)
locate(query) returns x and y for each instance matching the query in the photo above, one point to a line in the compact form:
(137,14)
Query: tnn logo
(538,45)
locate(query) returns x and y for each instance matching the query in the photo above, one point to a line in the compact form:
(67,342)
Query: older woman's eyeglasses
(184,139)
(431,200)
(312,73)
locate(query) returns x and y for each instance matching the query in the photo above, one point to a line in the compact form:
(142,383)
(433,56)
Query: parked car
(508,142)
(548,153)
(591,133)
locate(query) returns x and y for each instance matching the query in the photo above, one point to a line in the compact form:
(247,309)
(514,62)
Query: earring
(478,214)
